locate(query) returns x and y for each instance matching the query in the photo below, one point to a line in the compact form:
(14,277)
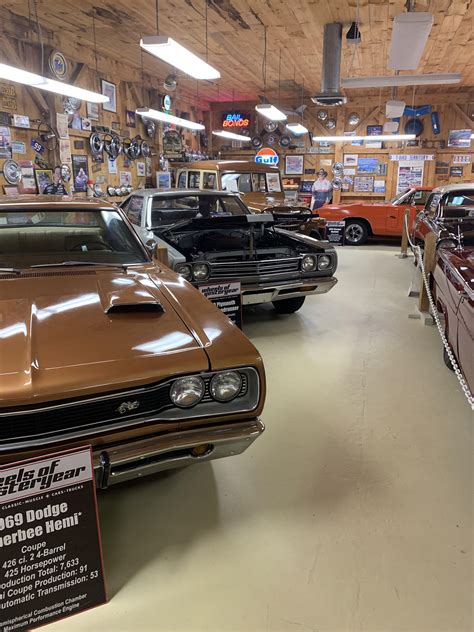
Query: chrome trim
(255,295)
(205,408)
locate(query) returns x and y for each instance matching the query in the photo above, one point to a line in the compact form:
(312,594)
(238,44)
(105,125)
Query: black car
(211,236)
(449,214)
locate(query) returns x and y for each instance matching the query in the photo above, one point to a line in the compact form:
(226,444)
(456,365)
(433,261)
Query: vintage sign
(50,551)
(37,146)
(8,96)
(267,156)
(18,147)
(411,157)
(456,172)
(335,233)
(227,297)
(462,159)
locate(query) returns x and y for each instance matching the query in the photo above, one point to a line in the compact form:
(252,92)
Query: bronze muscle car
(99,346)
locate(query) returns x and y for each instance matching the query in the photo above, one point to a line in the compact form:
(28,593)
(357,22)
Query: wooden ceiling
(235,30)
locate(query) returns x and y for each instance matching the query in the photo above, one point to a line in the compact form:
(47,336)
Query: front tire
(446,359)
(289,305)
(356,233)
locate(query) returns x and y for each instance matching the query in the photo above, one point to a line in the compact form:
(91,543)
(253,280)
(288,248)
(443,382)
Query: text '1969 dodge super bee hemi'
(98,346)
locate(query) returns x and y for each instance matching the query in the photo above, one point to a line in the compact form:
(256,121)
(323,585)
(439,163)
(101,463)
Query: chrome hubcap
(354,233)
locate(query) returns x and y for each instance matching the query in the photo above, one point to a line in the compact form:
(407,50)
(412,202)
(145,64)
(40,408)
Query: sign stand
(50,551)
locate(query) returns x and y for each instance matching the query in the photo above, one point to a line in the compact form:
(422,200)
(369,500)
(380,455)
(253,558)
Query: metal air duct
(331,72)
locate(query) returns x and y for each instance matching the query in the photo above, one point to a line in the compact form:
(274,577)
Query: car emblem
(127,407)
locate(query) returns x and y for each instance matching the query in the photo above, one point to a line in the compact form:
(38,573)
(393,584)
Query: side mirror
(152,248)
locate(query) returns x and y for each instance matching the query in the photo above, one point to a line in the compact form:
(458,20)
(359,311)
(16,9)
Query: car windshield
(399,196)
(170,209)
(71,236)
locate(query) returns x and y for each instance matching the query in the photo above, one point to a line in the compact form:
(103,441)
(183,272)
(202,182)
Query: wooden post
(404,249)
(429,261)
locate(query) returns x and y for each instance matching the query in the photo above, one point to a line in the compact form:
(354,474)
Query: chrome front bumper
(147,456)
(269,292)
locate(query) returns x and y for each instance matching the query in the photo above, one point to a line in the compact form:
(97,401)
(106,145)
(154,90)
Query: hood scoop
(130,298)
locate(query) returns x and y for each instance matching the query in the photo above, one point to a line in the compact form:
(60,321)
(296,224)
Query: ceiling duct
(331,72)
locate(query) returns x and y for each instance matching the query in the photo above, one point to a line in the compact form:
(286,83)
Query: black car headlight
(187,391)
(324,262)
(308,263)
(185,270)
(225,386)
(201,271)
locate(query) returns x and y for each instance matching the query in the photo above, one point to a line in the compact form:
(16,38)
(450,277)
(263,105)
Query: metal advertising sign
(227,297)
(335,233)
(50,552)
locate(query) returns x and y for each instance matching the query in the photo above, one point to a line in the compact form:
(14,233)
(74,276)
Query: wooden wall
(454,113)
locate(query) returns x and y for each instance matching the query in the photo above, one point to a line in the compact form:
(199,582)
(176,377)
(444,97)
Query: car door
(465,341)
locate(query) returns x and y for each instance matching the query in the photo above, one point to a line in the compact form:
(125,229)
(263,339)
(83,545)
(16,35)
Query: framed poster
(125,178)
(367,165)
(458,159)
(374,130)
(109,89)
(410,174)
(27,183)
(130,118)
(163,179)
(141,169)
(459,138)
(350,160)
(363,184)
(80,171)
(456,172)
(294,165)
(43,178)
(92,111)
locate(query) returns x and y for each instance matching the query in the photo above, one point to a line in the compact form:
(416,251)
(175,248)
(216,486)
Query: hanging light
(166,49)
(168,118)
(225,134)
(353,34)
(270,112)
(296,128)
(18,75)
(349,139)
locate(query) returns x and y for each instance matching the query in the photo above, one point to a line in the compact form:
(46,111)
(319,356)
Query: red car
(453,289)
(383,219)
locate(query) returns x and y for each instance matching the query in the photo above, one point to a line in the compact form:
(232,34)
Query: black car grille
(268,268)
(89,416)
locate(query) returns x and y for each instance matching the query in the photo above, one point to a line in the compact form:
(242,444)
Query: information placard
(227,297)
(335,233)
(50,552)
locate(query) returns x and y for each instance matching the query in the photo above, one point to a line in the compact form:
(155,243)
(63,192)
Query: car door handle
(393,216)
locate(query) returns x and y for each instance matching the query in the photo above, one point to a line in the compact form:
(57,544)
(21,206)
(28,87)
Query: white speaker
(394,109)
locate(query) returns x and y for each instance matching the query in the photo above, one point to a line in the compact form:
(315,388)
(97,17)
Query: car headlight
(308,263)
(226,386)
(187,391)
(324,262)
(185,270)
(201,271)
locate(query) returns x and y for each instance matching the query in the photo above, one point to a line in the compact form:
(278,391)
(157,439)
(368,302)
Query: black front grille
(265,268)
(98,414)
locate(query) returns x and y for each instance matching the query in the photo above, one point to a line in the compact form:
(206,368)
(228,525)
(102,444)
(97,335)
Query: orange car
(364,219)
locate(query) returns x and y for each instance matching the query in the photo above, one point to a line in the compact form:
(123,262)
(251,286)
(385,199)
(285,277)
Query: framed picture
(109,89)
(43,178)
(363,184)
(367,165)
(10,191)
(93,111)
(163,180)
(294,165)
(459,138)
(141,169)
(350,160)
(130,118)
(80,172)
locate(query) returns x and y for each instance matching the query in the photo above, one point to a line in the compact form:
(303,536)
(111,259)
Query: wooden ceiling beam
(463,115)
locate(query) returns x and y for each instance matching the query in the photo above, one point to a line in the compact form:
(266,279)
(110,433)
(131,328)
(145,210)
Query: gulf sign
(235,120)
(267,156)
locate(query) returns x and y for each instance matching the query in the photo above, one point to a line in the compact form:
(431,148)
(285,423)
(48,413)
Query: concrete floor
(352,512)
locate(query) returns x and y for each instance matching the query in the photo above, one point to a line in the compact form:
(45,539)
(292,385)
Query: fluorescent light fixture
(296,128)
(231,135)
(168,118)
(270,112)
(349,139)
(18,75)
(402,80)
(176,55)
(409,36)
(472,135)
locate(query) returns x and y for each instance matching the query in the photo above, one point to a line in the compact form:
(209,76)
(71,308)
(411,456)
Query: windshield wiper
(81,263)
(10,270)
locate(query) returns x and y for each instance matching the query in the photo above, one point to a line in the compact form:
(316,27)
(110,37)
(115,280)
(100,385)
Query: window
(209,180)
(259,183)
(194,180)
(458,204)
(51,237)
(134,209)
(168,210)
(182,180)
(419,198)
(432,204)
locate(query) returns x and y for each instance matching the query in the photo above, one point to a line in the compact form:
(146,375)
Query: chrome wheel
(355,233)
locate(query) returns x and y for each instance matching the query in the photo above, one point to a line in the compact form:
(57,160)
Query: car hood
(70,333)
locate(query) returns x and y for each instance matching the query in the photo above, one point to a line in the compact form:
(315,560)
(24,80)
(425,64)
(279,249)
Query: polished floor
(353,512)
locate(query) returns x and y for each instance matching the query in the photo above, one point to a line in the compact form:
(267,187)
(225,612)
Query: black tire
(446,359)
(289,305)
(356,232)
